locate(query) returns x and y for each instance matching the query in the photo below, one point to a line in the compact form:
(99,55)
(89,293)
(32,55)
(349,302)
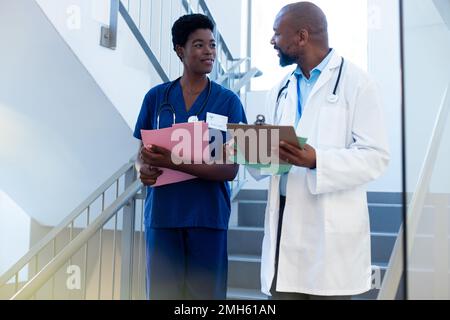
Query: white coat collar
(325,76)
(306,123)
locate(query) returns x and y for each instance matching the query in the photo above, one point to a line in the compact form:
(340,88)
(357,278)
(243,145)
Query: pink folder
(192,138)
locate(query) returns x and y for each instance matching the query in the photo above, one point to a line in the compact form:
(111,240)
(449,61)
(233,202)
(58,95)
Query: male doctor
(317,237)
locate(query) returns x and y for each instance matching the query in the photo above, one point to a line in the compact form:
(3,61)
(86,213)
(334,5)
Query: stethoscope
(332,98)
(166,106)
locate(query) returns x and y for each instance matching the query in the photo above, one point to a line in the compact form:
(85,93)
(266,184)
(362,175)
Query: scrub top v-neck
(199,102)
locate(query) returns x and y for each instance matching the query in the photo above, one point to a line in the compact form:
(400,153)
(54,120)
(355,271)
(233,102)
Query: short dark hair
(187,24)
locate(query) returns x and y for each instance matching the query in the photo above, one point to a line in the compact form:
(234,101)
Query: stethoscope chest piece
(333,98)
(193,119)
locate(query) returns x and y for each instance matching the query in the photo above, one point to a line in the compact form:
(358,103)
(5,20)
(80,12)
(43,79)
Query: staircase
(99,245)
(246,234)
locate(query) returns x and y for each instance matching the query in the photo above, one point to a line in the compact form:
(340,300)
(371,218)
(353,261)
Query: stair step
(248,241)
(385,197)
(244,258)
(245,240)
(244,271)
(252,195)
(383,217)
(382,244)
(372,197)
(245,294)
(251,213)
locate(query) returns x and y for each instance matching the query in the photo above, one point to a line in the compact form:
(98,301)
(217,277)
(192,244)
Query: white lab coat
(325,237)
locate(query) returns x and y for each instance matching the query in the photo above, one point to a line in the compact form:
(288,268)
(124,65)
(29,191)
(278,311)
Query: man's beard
(285,60)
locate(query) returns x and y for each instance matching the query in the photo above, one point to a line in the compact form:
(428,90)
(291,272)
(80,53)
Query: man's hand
(149,175)
(155,156)
(305,157)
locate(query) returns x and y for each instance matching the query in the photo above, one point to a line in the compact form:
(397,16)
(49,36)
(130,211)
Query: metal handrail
(226,75)
(48,271)
(254,72)
(32,286)
(144,45)
(64,224)
(108,36)
(395,267)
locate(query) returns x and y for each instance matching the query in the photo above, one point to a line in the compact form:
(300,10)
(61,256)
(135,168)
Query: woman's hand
(149,175)
(156,156)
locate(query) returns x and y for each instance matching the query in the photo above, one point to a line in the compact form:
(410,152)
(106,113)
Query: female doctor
(186,222)
(317,238)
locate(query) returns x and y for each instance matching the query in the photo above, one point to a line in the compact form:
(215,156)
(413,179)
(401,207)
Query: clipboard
(263,131)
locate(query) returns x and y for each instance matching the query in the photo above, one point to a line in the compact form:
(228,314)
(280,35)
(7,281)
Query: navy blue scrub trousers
(186,263)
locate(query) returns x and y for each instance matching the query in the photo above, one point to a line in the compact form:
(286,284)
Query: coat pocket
(332,126)
(346,211)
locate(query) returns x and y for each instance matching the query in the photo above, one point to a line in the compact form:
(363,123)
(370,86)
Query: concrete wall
(14,233)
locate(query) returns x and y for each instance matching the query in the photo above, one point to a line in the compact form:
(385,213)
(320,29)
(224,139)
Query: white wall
(14,233)
(427,73)
(384,66)
(60,136)
(124,74)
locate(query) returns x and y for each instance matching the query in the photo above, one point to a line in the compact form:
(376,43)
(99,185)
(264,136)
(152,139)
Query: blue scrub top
(196,202)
